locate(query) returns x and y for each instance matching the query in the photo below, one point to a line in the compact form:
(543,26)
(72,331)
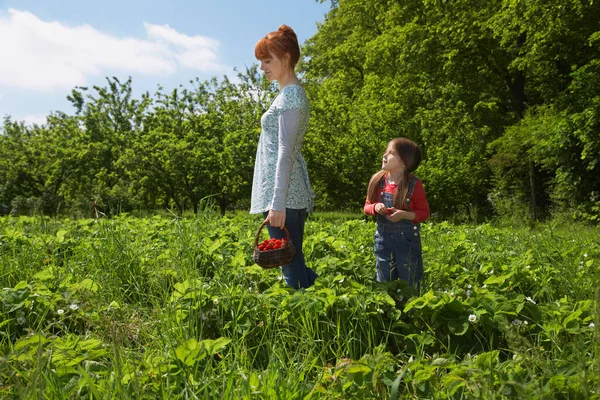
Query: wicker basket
(276,257)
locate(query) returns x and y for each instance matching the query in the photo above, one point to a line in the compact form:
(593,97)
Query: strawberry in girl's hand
(390,210)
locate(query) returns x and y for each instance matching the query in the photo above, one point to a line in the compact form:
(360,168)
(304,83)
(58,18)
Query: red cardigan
(418,202)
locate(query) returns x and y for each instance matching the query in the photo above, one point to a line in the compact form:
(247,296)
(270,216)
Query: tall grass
(169,307)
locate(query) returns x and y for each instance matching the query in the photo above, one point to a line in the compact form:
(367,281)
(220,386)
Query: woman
(281,188)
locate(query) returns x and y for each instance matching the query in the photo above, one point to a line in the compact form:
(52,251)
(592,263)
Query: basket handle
(287,233)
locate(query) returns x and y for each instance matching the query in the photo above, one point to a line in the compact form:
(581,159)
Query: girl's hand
(276,218)
(396,215)
(380,209)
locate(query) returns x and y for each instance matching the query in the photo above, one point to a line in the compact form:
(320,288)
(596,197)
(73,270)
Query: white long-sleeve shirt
(280,176)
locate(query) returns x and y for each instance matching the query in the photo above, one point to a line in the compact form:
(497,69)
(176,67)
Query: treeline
(117,153)
(503,96)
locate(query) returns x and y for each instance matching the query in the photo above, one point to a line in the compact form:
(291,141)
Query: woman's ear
(287,61)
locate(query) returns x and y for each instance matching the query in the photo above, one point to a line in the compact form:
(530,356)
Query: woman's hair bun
(288,31)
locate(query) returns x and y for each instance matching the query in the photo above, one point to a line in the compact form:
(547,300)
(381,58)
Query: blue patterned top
(280,175)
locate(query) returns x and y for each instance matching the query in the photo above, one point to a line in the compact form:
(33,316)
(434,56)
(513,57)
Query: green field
(164,307)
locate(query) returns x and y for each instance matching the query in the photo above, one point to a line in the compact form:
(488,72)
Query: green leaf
(216,345)
(358,368)
(45,274)
(85,285)
(442,362)
(458,326)
(497,280)
(190,352)
(486,360)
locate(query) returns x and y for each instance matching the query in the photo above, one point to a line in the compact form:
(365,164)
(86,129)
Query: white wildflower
(380,311)
(468,293)
(401,298)
(591,325)
(469,287)
(472,318)
(484,286)
(398,290)
(215,301)
(525,323)
(585,255)
(60,311)
(529,299)
(528,266)
(73,307)
(516,322)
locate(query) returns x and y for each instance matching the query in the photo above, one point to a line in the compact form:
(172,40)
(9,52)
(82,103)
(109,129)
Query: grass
(173,307)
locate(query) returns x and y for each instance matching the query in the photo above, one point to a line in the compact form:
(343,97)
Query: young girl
(398,199)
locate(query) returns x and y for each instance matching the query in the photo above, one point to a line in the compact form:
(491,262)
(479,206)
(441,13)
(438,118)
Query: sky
(48,47)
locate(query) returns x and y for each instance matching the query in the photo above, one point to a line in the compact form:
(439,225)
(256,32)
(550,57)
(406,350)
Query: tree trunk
(222,205)
(532,185)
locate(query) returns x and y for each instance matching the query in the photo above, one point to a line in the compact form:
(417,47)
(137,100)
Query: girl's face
(273,67)
(391,161)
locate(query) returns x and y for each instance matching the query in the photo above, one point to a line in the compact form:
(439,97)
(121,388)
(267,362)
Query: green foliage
(172,307)
(501,96)
(460,77)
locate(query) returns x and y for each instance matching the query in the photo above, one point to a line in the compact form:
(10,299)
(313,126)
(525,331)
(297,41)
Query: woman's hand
(276,218)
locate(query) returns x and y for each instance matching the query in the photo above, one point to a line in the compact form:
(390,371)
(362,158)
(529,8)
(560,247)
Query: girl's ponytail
(374,187)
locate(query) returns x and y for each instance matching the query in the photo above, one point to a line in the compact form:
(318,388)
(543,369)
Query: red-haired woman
(281,189)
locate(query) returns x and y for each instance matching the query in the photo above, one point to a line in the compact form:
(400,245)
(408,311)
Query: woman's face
(273,67)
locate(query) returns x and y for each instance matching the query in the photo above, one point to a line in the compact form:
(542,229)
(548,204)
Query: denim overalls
(398,250)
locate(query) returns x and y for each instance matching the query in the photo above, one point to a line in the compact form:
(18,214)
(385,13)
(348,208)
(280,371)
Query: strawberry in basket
(272,253)
(272,244)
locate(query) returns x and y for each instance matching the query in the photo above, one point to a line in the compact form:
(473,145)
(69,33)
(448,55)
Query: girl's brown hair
(280,43)
(410,155)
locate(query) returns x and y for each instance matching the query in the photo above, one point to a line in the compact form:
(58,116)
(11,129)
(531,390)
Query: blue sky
(50,46)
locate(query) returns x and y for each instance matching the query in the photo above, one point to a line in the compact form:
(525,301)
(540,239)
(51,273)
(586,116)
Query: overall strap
(411,188)
(411,185)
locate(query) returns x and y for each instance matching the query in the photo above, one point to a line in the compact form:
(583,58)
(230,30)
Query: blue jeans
(398,254)
(297,275)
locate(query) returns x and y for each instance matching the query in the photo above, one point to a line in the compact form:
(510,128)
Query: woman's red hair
(280,43)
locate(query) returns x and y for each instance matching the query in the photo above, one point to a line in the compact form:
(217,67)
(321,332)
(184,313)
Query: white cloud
(41,55)
(30,119)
